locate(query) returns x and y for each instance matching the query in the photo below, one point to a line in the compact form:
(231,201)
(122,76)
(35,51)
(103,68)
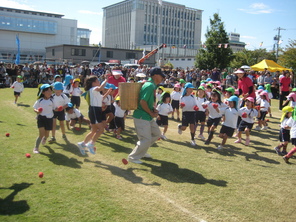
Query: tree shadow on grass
(10,207)
(60,159)
(127,174)
(172,172)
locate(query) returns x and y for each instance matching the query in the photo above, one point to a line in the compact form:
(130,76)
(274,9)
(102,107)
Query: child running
(74,116)
(264,105)
(164,109)
(247,113)
(76,92)
(119,118)
(214,106)
(18,88)
(230,120)
(201,112)
(291,123)
(44,107)
(284,134)
(188,105)
(61,102)
(95,98)
(175,96)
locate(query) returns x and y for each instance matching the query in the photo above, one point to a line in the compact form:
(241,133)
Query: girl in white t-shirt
(264,106)
(18,88)
(75,92)
(44,108)
(214,107)
(175,100)
(230,120)
(164,109)
(201,97)
(119,118)
(95,100)
(284,134)
(291,123)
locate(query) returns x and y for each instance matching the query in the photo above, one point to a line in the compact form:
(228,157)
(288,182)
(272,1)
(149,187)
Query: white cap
(116,72)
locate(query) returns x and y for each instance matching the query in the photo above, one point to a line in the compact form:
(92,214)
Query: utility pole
(277,38)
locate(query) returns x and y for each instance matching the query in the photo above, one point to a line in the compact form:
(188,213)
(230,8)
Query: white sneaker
(220,147)
(193,143)
(147,155)
(201,137)
(135,161)
(35,150)
(258,128)
(179,129)
(163,137)
(91,147)
(265,128)
(81,147)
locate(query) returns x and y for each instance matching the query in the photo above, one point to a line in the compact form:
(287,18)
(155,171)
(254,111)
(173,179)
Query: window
(130,55)
(52,52)
(109,54)
(78,52)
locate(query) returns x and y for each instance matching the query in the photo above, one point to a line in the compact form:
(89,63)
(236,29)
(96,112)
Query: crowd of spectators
(35,74)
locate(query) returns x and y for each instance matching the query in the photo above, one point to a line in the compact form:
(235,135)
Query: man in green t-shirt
(146,127)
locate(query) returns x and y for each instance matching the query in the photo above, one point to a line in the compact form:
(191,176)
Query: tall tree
(288,58)
(216,51)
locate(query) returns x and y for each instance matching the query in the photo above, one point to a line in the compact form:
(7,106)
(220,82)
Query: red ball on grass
(7,134)
(40,174)
(124,161)
(28,155)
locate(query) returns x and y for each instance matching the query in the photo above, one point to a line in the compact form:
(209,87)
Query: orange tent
(270,65)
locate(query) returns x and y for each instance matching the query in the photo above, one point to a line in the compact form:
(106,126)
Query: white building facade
(35,30)
(138,24)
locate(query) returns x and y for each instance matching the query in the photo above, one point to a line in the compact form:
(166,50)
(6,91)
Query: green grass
(180,183)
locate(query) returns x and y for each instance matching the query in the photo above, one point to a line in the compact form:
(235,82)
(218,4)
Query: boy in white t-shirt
(73,116)
(18,88)
(119,118)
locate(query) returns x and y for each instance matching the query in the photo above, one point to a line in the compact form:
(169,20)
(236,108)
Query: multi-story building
(133,24)
(234,42)
(35,30)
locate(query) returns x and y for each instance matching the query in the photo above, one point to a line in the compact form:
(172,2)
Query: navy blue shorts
(262,115)
(60,115)
(164,120)
(214,121)
(284,135)
(95,114)
(227,130)
(188,118)
(119,122)
(75,100)
(294,141)
(42,121)
(243,125)
(16,93)
(175,104)
(200,116)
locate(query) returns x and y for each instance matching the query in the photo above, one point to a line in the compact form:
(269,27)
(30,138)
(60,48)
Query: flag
(160,2)
(219,46)
(18,55)
(225,46)
(184,46)
(261,44)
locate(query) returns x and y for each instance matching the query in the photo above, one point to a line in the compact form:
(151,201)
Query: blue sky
(256,21)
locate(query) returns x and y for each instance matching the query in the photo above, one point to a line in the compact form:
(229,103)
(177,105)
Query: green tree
(215,54)
(250,57)
(288,58)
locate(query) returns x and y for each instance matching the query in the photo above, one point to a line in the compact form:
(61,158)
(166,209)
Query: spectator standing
(285,82)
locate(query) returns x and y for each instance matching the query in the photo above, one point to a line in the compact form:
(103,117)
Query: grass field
(180,183)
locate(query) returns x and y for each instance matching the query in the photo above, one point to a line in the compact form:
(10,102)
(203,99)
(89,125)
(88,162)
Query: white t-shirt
(199,102)
(68,89)
(284,122)
(264,104)
(95,97)
(164,109)
(251,113)
(158,97)
(292,123)
(47,105)
(231,115)
(107,101)
(18,86)
(176,95)
(213,114)
(75,91)
(118,111)
(190,102)
(60,100)
(76,114)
